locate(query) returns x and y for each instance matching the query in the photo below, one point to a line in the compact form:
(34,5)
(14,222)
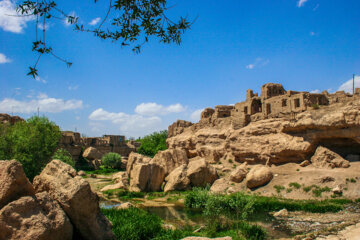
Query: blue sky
(310,45)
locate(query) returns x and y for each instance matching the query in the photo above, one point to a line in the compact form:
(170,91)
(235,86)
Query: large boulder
(76,198)
(35,217)
(177,179)
(13,182)
(324,157)
(114,186)
(239,173)
(121,177)
(92,153)
(201,173)
(135,158)
(170,159)
(146,177)
(258,176)
(220,186)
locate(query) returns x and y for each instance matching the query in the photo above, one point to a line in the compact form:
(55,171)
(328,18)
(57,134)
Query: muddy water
(180,216)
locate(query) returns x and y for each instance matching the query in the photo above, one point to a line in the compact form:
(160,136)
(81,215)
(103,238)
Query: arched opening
(347,148)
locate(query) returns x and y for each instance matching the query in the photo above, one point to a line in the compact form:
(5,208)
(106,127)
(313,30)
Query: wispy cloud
(348,85)
(315,91)
(301,3)
(4,59)
(195,115)
(316,7)
(43,102)
(73,88)
(152,109)
(94,21)
(40,79)
(259,62)
(10,20)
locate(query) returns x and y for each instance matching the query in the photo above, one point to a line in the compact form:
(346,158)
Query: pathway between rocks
(349,233)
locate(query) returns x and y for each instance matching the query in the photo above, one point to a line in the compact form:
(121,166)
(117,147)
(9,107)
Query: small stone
(305,163)
(281,213)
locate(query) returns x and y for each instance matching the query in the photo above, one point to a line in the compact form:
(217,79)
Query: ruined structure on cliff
(74,144)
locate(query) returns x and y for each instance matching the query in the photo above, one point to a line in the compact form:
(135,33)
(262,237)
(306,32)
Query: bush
(112,160)
(63,155)
(153,143)
(32,143)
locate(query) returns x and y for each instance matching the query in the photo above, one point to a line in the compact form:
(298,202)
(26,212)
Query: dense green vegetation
(111,160)
(65,156)
(202,199)
(153,143)
(102,171)
(137,224)
(32,143)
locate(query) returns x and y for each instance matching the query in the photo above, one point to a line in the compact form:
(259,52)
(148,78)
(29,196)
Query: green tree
(32,143)
(153,143)
(111,160)
(130,22)
(63,155)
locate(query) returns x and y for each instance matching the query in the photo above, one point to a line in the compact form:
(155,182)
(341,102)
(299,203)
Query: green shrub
(153,143)
(279,188)
(32,143)
(315,106)
(111,160)
(295,185)
(63,155)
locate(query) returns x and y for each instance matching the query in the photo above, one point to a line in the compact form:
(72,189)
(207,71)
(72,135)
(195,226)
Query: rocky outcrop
(146,177)
(35,217)
(170,159)
(74,195)
(13,182)
(135,158)
(239,173)
(324,157)
(178,127)
(177,179)
(6,118)
(92,153)
(258,176)
(201,173)
(220,186)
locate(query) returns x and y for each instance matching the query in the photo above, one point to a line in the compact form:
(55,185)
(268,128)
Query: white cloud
(259,62)
(41,26)
(301,3)
(39,79)
(127,122)
(315,91)
(10,20)
(348,85)
(4,59)
(94,21)
(152,109)
(73,88)
(45,103)
(195,116)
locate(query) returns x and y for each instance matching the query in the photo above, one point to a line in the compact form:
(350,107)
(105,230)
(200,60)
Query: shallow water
(180,216)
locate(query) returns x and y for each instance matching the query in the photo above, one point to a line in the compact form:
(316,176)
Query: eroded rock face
(239,173)
(92,153)
(324,157)
(146,177)
(13,182)
(35,217)
(258,176)
(135,158)
(177,179)
(201,173)
(121,177)
(220,186)
(76,198)
(170,159)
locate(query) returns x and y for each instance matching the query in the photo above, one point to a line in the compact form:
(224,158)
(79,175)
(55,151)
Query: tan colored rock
(96,163)
(281,213)
(146,177)
(135,158)
(121,177)
(220,186)
(92,153)
(258,176)
(337,190)
(239,173)
(76,198)
(35,217)
(305,163)
(119,185)
(201,173)
(81,173)
(178,127)
(177,179)
(125,206)
(13,182)
(170,159)
(324,157)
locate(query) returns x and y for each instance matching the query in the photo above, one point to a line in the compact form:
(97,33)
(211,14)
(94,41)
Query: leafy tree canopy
(153,143)
(32,143)
(63,155)
(130,22)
